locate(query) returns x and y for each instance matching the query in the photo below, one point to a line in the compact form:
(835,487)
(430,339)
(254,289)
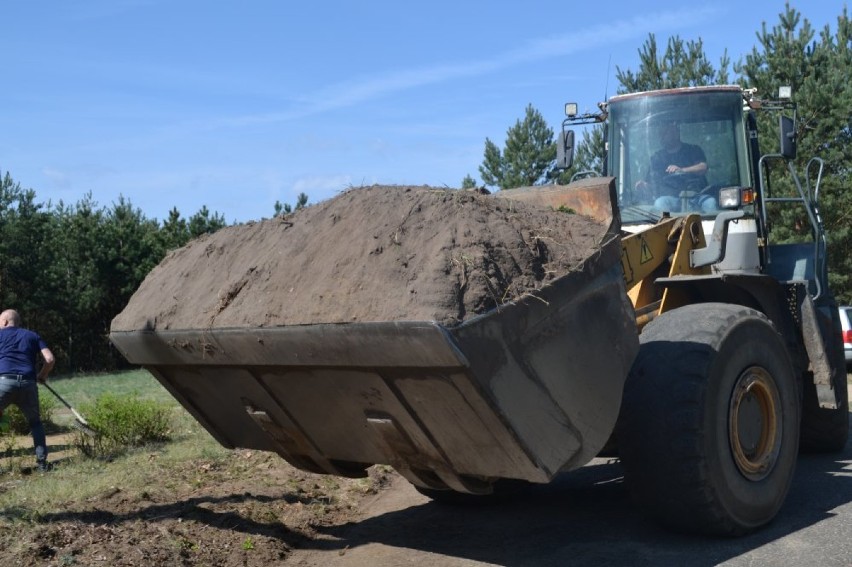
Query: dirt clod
(379,253)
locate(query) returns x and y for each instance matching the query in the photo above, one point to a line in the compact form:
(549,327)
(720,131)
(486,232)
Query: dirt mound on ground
(380,253)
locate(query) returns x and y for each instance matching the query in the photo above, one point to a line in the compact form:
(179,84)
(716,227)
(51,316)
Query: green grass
(83,389)
(229,499)
(137,472)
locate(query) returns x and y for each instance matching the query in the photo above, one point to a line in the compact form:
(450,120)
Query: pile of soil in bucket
(378,253)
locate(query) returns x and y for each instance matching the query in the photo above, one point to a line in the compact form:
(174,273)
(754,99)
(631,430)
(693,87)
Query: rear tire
(709,429)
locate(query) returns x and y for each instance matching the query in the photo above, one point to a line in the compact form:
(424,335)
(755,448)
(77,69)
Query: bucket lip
(354,345)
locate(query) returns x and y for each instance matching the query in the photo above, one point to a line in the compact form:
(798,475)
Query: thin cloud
(320,184)
(350,93)
(353,92)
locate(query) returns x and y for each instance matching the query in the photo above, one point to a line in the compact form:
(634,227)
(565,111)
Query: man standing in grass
(19,350)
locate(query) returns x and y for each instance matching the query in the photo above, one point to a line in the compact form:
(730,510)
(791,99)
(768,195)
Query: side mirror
(788,137)
(565,149)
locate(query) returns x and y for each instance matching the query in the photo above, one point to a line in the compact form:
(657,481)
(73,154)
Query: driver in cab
(675,167)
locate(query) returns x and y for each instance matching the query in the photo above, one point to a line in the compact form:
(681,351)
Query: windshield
(672,152)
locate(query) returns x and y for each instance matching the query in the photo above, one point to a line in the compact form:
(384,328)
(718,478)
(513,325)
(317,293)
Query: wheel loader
(700,344)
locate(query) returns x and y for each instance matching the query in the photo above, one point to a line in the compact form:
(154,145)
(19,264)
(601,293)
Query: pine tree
(203,223)
(818,70)
(684,64)
(301,201)
(527,158)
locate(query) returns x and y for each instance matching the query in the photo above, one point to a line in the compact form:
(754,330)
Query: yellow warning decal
(645,254)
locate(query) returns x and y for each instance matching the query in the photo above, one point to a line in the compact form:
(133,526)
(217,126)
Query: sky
(236,105)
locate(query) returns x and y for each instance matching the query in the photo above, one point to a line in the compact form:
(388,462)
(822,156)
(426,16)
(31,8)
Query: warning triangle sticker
(645,254)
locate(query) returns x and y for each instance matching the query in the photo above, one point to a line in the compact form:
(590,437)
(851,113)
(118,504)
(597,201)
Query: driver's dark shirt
(685,156)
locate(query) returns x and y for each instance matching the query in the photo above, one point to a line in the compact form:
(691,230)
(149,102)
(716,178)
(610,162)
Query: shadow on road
(586,518)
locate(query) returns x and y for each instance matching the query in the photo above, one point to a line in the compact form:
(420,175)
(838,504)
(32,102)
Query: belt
(13,376)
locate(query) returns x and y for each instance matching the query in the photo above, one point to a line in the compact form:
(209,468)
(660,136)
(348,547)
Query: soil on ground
(253,509)
(379,253)
(250,509)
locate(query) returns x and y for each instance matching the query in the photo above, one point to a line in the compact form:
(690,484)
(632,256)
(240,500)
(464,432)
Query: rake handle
(77,415)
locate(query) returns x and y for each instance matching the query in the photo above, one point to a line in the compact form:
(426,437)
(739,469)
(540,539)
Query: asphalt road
(586,518)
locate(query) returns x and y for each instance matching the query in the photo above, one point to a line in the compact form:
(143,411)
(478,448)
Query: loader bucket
(524,391)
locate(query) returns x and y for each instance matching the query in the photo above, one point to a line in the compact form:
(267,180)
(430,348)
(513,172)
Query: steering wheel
(678,180)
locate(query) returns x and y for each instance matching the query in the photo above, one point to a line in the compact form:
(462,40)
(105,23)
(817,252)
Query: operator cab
(672,152)
(695,151)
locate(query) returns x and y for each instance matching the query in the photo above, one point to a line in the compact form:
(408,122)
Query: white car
(846,325)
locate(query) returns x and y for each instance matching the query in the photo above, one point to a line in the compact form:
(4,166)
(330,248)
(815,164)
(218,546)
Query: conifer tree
(528,157)
(817,67)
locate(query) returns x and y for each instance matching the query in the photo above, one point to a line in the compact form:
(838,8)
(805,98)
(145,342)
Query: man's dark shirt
(685,156)
(19,350)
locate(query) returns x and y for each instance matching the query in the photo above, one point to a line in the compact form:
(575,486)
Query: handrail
(809,202)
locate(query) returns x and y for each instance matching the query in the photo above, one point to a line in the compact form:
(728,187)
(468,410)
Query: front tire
(709,429)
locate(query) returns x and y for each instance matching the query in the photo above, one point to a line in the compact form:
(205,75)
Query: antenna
(606,88)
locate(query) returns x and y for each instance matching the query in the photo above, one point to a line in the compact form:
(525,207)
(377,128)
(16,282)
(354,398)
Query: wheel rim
(754,423)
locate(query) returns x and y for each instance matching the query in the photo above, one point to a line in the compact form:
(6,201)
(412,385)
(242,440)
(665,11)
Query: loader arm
(658,251)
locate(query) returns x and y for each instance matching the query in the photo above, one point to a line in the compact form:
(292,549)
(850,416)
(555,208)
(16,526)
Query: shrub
(7,438)
(18,423)
(123,422)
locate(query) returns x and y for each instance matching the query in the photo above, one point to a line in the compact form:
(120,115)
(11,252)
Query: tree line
(817,65)
(69,269)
